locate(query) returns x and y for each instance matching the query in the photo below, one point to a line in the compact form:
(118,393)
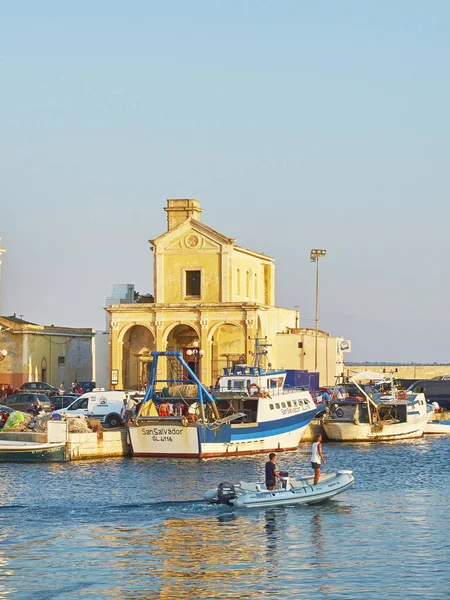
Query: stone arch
(228,346)
(184,337)
(138,341)
(126,329)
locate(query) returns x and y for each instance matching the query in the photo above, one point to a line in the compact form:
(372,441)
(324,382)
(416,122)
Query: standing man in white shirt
(317,458)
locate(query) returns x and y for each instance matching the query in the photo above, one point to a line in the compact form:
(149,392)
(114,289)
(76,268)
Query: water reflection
(107,533)
(317,539)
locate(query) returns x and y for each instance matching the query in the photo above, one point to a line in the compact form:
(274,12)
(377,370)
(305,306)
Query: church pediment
(191,235)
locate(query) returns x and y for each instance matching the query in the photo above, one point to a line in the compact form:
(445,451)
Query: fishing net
(17,421)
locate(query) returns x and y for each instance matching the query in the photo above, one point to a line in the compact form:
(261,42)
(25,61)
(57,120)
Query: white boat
(293,491)
(252,412)
(398,416)
(437,427)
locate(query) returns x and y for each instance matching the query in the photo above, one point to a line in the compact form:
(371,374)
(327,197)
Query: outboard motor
(226,492)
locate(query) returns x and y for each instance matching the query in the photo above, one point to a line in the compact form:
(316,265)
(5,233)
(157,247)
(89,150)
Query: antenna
(260,350)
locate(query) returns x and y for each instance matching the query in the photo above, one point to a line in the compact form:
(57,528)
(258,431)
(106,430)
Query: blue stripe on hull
(233,433)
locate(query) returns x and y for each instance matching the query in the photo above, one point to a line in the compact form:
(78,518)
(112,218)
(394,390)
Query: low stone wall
(403,371)
(98,444)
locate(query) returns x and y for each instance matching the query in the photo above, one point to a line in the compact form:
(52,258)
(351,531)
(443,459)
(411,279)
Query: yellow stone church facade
(211,299)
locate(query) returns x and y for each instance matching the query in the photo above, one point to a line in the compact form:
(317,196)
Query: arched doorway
(185,338)
(227,348)
(138,343)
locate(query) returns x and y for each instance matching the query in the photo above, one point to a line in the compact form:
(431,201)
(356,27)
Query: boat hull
(437,427)
(348,431)
(169,438)
(32,453)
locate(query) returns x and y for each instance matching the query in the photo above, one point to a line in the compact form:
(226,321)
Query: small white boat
(293,491)
(398,416)
(437,427)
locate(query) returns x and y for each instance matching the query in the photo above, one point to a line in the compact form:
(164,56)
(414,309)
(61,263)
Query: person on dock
(123,410)
(317,458)
(271,472)
(163,409)
(131,405)
(62,387)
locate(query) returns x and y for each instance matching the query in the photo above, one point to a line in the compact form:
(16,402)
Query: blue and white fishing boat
(251,411)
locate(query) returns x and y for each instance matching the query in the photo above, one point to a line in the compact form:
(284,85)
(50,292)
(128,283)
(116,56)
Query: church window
(193,283)
(238,282)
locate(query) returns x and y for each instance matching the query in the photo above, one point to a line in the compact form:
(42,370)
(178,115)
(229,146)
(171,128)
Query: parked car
(86,386)
(435,390)
(26,402)
(41,387)
(58,402)
(5,411)
(101,405)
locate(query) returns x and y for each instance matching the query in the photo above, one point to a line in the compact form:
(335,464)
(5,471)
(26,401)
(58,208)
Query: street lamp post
(316,253)
(197,354)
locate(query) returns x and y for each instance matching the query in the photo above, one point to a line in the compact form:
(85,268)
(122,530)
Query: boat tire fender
(339,413)
(254,390)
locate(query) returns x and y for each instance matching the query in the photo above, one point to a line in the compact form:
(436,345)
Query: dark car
(86,386)
(58,402)
(435,390)
(25,402)
(41,387)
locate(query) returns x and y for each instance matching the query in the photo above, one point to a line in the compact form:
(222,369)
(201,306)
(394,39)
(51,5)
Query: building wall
(101,373)
(291,356)
(41,356)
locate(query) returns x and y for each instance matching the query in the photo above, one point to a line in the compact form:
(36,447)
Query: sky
(297,124)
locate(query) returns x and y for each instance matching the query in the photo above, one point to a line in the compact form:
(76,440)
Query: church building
(212,298)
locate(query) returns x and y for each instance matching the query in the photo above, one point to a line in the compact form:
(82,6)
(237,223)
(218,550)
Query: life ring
(254,390)
(401,395)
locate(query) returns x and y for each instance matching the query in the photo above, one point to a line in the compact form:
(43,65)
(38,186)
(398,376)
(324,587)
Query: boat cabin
(245,378)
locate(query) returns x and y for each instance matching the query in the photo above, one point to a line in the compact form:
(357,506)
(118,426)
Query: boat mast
(260,350)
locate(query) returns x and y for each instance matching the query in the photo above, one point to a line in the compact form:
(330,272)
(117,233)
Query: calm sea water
(137,528)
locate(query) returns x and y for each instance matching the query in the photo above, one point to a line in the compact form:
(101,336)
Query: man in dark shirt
(271,472)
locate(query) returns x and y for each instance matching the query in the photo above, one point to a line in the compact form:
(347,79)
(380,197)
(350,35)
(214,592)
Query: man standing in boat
(271,472)
(317,457)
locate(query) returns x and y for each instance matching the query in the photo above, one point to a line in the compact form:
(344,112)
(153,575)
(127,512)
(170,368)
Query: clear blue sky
(297,124)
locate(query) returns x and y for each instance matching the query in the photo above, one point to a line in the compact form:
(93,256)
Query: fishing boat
(251,411)
(437,427)
(12,451)
(396,415)
(292,491)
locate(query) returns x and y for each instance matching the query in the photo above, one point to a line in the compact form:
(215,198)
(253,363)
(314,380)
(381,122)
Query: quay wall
(99,444)
(403,371)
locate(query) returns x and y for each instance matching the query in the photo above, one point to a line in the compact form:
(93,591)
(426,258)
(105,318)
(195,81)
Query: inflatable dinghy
(293,491)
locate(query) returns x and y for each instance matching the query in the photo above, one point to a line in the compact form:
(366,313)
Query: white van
(101,405)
